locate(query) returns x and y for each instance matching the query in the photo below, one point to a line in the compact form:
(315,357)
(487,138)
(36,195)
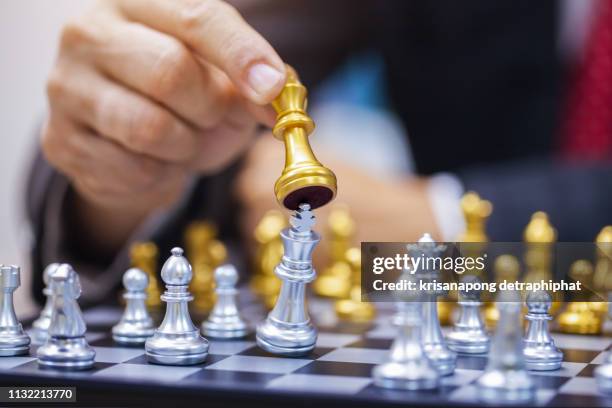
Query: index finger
(217,33)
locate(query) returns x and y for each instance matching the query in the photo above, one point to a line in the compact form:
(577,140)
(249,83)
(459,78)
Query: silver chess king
(287,330)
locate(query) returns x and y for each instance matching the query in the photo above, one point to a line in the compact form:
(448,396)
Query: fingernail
(263,79)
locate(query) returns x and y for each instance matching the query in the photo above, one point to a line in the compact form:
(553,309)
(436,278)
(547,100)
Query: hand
(144,94)
(384,210)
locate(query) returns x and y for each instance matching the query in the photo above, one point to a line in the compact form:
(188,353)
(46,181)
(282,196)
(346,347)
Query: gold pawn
(578,318)
(539,237)
(334,281)
(304,179)
(144,255)
(506,267)
(476,212)
(265,284)
(602,279)
(351,308)
(205,253)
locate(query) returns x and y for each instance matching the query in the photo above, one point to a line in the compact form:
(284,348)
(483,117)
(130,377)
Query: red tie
(588,129)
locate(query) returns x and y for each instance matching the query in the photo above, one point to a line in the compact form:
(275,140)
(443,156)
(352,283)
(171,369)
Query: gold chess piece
(351,308)
(205,253)
(304,179)
(539,237)
(335,280)
(602,278)
(476,212)
(265,284)
(506,267)
(144,255)
(578,317)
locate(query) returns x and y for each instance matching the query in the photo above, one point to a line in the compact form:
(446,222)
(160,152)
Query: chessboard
(337,371)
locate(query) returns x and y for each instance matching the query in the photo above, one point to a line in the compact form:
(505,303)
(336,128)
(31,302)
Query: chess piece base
(542,358)
(66,354)
(187,348)
(514,387)
(542,365)
(287,340)
(405,376)
(225,330)
(442,358)
(603,376)
(468,342)
(132,333)
(14,341)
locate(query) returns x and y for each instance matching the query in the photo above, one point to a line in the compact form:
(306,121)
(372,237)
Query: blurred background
(354,102)
(28,40)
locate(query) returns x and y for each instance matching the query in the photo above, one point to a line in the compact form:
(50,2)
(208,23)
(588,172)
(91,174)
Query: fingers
(101,170)
(218,34)
(159,67)
(121,115)
(227,140)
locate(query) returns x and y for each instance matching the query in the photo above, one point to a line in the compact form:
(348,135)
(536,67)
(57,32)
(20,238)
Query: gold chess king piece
(578,317)
(602,279)
(304,179)
(505,268)
(335,280)
(351,308)
(205,253)
(540,237)
(144,255)
(265,284)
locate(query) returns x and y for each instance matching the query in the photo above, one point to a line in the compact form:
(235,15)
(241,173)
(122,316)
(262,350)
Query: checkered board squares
(339,368)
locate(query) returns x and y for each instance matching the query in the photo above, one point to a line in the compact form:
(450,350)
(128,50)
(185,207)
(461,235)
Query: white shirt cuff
(444,192)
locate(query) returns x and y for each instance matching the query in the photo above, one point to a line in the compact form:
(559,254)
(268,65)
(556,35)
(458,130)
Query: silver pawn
(13,339)
(287,330)
(224,321)
(408,367)
(135,326)
(40,327)
(176,341)
(469,335)
(66,347)
(539,350)
(505,380)
(432,339)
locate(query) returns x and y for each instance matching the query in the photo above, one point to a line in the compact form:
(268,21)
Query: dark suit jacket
(479,84)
